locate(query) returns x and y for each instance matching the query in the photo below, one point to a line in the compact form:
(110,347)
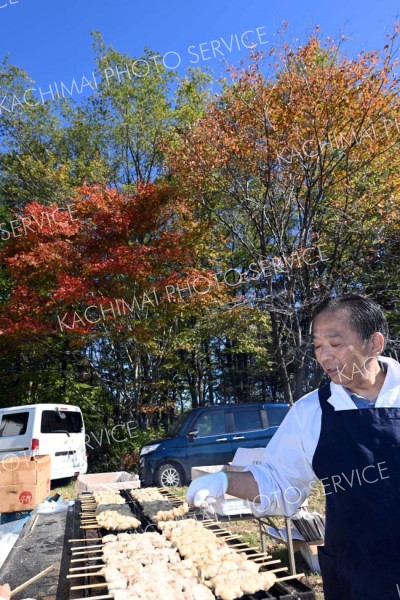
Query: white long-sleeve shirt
(285,478)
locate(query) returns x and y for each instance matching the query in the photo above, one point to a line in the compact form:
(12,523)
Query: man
(346,434)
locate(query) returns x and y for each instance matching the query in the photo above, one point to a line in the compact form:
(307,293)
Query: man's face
(342,354)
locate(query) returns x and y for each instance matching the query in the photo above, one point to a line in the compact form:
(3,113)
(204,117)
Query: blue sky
(51,40)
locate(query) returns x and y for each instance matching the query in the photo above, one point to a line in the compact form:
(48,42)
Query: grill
(86,561)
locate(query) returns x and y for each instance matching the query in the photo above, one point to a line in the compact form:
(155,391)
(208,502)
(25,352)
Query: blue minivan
(207,436)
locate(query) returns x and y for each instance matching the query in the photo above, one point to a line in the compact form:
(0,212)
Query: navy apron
(358,459)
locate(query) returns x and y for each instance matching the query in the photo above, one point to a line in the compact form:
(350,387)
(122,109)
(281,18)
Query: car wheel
(169,476)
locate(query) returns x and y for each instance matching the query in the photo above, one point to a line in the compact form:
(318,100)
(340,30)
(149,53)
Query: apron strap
(324,393)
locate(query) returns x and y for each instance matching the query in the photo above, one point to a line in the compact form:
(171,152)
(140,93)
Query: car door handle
(222,440)
(238,437)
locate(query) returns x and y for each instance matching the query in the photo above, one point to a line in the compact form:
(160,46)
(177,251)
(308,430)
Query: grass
(66,489)
(249,532)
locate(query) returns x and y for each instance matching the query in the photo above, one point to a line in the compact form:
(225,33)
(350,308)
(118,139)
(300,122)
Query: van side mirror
(193,434)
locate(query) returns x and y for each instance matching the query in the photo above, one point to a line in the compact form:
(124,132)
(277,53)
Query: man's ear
(377,343)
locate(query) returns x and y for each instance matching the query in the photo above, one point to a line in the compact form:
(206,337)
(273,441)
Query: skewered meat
(116,516)
(201,592)
(230,574)
(168,515)
(108,497)
(147,565)
(156,506)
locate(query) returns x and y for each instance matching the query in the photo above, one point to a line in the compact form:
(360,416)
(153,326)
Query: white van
(55,429)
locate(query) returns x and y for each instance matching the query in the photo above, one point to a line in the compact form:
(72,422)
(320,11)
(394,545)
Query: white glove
(209,486)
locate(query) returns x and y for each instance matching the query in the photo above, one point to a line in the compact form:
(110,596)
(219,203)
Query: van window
(210,423)
(173,430)
(247,420)
(276,415)
(14,424)
(56,422)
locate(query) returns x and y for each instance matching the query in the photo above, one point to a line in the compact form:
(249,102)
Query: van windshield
(173,430)
(61,421)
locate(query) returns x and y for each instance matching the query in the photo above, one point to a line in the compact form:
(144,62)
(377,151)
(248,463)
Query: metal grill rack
(86,555)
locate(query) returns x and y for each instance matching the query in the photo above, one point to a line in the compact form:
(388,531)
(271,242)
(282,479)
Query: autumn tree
(111,273)
(300,155)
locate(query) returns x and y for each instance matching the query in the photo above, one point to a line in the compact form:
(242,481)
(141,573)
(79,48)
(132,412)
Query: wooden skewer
(35,578)
(87,547)
(264,561)
(85,521)
(85,539)
(87,567)
(96,597)
(88,521)
(252,556)
(88,518)
(98,551)
(88,586)
(291,577)
(89,527)
(77,575)
(34,524)
(275,570)
(85,559)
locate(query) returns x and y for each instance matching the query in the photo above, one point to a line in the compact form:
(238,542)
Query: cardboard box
(228,506)
(24,482)
(200,471)
(118,480)
(245,457)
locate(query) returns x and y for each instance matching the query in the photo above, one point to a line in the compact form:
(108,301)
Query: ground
(249,533)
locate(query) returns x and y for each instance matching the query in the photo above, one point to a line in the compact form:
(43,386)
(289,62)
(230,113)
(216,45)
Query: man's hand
(5,591)
(209,486)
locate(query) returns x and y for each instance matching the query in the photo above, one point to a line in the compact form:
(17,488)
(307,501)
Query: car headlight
(147,449)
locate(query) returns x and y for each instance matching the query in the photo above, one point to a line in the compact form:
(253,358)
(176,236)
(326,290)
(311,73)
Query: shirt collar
(340,398)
